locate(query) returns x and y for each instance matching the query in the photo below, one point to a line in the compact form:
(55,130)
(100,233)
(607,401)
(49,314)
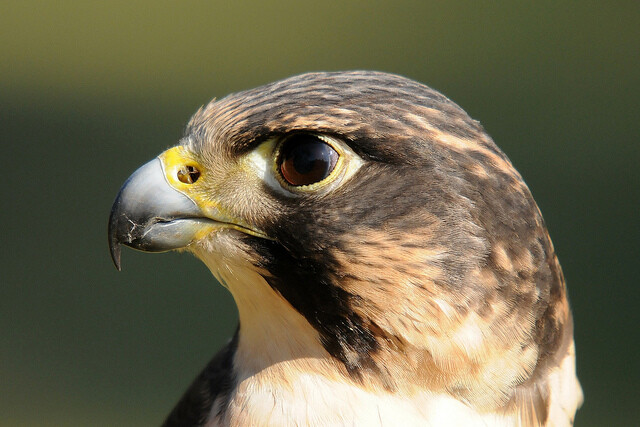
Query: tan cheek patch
(467,342)
(396,277)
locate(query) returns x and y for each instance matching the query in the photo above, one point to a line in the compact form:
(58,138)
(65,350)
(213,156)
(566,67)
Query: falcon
(388,263)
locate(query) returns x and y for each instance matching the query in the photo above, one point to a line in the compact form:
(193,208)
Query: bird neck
(271,330)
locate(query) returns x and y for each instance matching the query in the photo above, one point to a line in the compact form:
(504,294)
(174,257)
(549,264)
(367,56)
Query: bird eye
(306,159)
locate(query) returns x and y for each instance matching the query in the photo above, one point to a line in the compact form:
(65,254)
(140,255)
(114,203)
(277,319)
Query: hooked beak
(150,215)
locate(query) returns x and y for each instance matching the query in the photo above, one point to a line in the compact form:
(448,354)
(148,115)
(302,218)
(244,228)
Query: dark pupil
(306,159)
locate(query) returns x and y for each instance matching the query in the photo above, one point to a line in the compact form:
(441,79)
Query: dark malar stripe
(307,285)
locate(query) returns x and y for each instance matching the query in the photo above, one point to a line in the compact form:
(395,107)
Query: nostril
(188,174)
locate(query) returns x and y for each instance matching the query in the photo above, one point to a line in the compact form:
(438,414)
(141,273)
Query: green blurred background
(89,91)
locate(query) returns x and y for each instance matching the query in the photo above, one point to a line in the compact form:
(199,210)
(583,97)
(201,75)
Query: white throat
(271,330)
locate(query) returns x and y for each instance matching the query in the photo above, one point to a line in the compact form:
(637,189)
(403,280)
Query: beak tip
(115,250)
(114,241)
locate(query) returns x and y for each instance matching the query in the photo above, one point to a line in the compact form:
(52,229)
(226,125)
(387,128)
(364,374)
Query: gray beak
(150,215)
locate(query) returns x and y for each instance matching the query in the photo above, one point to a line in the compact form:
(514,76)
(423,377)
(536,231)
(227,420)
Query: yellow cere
(173,161)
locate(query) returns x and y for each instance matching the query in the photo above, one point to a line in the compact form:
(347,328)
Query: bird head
(363,219)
